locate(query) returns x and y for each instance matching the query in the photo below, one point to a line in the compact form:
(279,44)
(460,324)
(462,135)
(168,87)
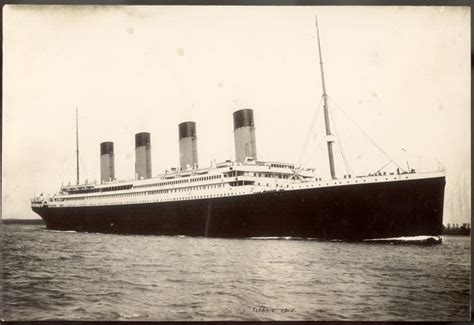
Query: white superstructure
(223,179)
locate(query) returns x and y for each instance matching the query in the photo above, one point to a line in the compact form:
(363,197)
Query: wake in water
(275,238)
(411,240)
(292,238)
(62,231)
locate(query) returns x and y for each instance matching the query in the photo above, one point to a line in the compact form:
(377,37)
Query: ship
(246,197)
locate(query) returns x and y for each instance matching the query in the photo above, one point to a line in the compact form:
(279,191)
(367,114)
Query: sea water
(54,275)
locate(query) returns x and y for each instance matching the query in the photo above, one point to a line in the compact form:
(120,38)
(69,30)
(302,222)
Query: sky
(398,77)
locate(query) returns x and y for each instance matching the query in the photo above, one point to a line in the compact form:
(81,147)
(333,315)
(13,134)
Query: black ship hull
(349,212)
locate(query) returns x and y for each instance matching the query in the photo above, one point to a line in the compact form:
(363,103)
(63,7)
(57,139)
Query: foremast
(325,108)
(77,149)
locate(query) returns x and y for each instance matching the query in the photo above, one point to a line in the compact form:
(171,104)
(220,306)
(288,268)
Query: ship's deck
(230,179)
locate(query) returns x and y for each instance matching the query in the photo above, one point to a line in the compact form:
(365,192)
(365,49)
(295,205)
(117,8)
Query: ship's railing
(231,191)
(41,199)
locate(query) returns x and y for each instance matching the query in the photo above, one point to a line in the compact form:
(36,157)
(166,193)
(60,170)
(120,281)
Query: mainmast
(326,113)
(77,149)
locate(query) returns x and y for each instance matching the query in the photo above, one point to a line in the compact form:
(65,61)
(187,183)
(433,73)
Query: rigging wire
(368,137)
(339,141)
(68,167)
(323,140)
(384,166)
(313,122)
(295,172)
(83,166)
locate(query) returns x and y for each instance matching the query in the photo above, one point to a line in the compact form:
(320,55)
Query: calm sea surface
(85,276)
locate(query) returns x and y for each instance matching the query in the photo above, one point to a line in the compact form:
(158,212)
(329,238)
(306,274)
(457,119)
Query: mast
(326,112)
(77,149)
